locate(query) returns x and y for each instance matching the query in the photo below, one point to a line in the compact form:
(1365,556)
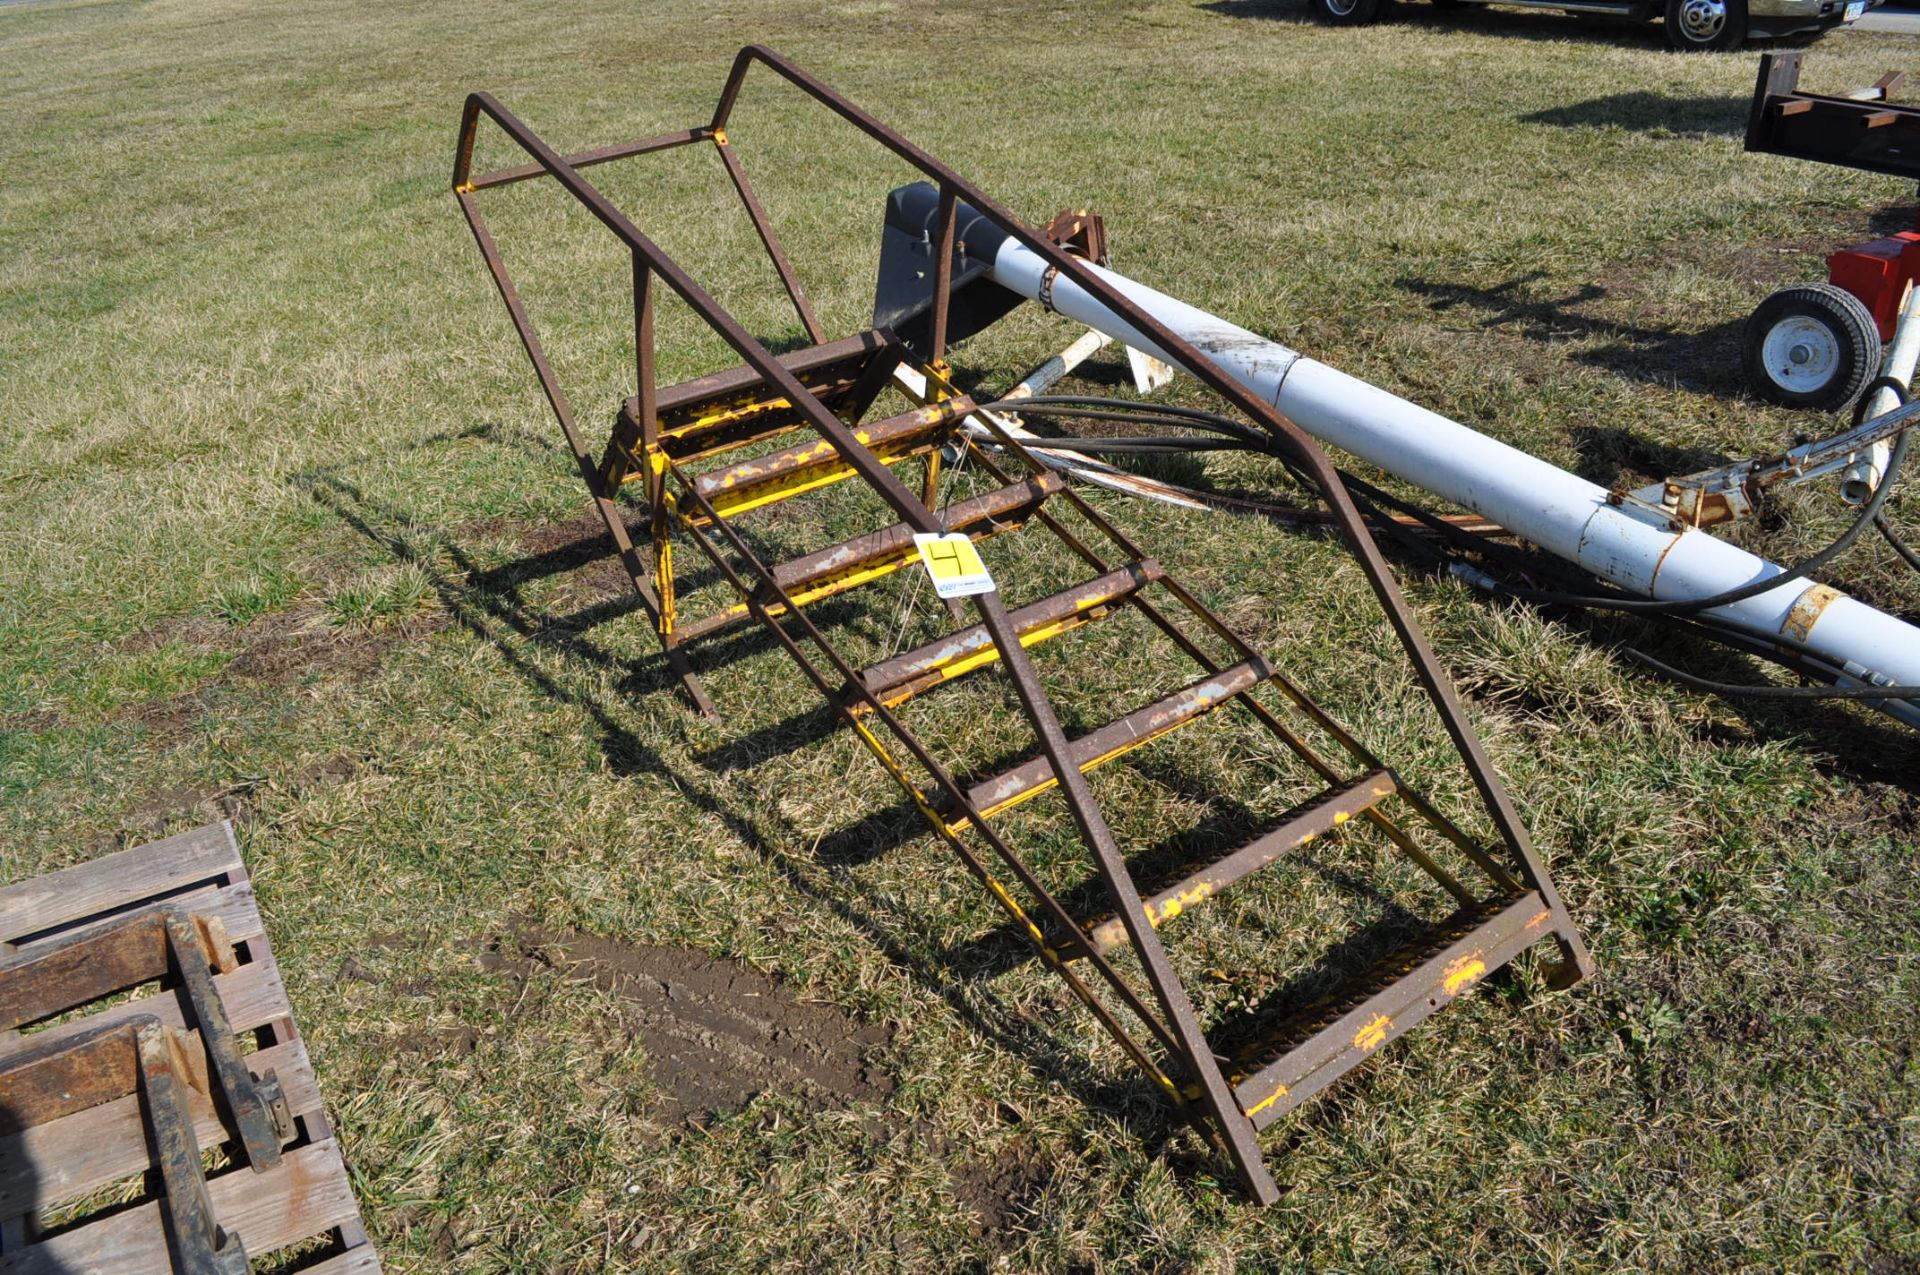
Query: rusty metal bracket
(1731,492)
(1861,129)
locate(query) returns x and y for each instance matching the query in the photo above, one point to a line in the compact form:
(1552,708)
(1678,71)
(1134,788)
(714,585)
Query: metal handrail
(1181,1029)
(1304,449)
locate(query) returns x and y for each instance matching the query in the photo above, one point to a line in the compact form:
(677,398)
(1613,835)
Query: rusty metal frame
(141,1054)
(1861,129)
(1528,906)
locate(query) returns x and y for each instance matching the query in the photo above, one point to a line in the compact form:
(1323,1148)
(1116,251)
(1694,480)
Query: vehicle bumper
(1790,17)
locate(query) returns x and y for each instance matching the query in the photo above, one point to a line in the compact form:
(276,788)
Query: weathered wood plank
(306,1197)
(303,1197)
(234,905)
(100,885)
(253,996)
(66,1158)
(360,1261)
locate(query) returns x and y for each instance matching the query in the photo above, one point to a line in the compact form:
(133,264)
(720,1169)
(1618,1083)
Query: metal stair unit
(820,394)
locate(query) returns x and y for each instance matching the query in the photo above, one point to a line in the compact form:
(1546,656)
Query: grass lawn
(287,535)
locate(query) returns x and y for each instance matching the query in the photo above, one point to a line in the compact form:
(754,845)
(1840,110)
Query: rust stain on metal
(1807,609)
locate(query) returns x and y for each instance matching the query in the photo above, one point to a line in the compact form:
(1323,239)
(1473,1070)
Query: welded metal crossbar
(144,1057)
(822,394)
(155,945)
(1862,129)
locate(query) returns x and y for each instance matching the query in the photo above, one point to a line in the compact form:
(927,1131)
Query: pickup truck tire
(1348,13)
(1810,345)
(1706,26)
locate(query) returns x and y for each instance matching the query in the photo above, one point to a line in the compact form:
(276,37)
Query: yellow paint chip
(1267,1101)
(1178,903)
(1463,973)
(1371,1036)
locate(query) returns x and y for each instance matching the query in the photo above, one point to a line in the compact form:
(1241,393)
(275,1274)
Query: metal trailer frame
(1861,129)
(1228,1103)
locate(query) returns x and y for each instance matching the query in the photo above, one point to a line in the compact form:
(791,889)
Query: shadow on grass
(1644,112)
(1851,742)
(1227,825)
(1614,457)
(1557,26)
(489,607)
(570,555)
(1705,362)
(1841,740)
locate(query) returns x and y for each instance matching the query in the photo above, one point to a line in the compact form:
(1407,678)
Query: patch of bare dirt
(718,1033)
(999,1191)
(148,818)
(285,646)
(174,715)
(36,722)
(444,1042)
(579,548)
(1870,809)
(278,649)
(189,630)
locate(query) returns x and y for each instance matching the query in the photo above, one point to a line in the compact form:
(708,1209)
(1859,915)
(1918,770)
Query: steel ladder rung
(792,471)
(1302,1055)
(894,681)
(1142,726)
(732,409)
(1323,813)
(865,558)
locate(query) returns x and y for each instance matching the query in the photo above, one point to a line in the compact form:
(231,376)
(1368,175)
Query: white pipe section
(1629,544)
(1048,374)
(1862,478)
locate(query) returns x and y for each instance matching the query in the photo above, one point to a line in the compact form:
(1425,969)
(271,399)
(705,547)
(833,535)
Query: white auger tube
(1863,476)
(1633,546)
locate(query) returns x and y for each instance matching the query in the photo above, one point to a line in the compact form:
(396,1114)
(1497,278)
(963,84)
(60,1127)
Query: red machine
(1877,273)
(1819,345)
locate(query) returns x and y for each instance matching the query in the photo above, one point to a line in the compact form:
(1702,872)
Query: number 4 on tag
(953,564)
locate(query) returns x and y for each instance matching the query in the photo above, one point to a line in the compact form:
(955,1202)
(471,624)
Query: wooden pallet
(304,1200)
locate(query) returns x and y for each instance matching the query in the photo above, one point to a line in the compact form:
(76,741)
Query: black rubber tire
(1732,32)
(1855,335)
(1449,6)
(1348,13)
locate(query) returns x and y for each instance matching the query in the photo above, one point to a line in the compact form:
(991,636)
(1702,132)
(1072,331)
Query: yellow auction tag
(953,564)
